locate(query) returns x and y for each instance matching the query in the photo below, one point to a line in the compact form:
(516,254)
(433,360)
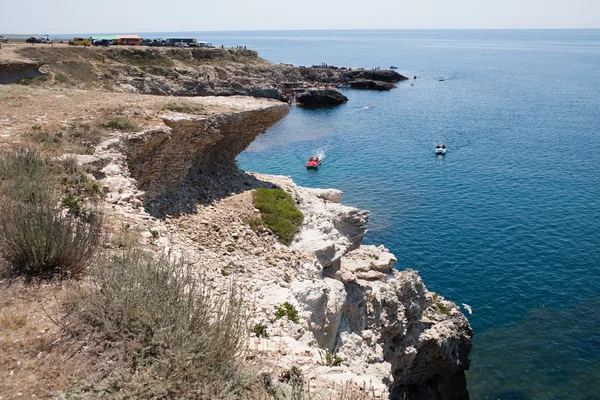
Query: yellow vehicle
(80,42)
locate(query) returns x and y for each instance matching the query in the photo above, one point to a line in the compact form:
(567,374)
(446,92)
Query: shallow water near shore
(508,221)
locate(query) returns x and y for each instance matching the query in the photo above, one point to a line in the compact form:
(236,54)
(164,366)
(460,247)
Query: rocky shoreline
(184,72)
(174,187)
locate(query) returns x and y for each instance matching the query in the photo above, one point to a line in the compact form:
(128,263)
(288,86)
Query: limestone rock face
(382,321)
(327,97)
(197,146)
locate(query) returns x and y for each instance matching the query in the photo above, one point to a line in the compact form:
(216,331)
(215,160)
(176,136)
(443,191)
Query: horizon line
(313,30)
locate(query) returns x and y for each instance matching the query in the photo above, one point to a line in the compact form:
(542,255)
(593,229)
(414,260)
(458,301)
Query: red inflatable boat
(313,163)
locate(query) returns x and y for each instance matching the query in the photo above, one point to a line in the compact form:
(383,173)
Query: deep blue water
(508,221)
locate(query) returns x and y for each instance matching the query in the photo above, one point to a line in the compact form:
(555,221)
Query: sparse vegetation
(123,124)
(443,309)
(185,107)
(278,213)
(170,333)
(254,223)
(287,310)
(330,359)
(260,330)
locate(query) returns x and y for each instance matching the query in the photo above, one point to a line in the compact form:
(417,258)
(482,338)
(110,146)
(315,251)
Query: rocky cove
(390,331)
(175,184)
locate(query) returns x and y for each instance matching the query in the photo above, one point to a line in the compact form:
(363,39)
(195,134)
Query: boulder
(327,97)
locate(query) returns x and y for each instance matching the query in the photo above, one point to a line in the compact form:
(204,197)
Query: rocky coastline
(174,184)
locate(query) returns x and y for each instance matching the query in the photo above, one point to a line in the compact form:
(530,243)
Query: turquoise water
(508,221)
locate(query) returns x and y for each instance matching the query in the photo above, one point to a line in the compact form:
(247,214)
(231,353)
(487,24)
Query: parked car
(155,44)
(180,44)
(102,42)
(46,40)
(33,39)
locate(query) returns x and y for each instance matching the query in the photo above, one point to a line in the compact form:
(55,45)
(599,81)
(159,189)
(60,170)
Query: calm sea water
(508,221)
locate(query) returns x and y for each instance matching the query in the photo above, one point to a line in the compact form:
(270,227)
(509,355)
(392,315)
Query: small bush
(39,240)
(175,334)
(123,124)
(287,310)
(278,212)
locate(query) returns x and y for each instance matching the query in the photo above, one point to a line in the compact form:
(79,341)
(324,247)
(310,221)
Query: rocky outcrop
(382,75)
(197,147)
(325,97)
(14,71)
(195,72)
(371,85)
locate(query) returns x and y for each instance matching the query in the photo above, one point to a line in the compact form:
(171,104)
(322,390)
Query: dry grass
(12,320)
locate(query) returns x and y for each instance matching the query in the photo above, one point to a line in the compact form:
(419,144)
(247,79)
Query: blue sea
(508,221)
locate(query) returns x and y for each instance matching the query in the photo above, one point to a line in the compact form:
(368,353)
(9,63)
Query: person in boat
(311,159)
(316,159)
(437,147)
(444,146)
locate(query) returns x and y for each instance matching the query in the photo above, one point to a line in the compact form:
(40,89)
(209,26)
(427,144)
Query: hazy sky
(80,16)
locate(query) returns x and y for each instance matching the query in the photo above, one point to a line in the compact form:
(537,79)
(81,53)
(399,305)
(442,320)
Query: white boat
(440,149)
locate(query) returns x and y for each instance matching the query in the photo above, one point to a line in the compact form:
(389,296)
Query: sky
(125,16)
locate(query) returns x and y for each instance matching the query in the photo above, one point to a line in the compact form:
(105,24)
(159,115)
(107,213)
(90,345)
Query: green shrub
(123,124)
(278,212)
(176,334)
(287,310)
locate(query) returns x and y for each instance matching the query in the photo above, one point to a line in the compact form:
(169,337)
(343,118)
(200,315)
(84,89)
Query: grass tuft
(287,310)
(278,213)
